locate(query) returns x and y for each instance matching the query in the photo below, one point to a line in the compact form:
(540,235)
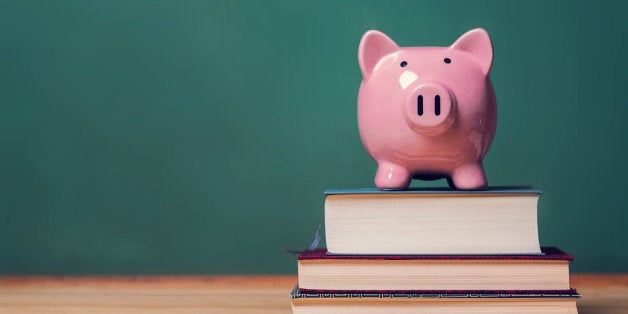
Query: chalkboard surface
(145,137)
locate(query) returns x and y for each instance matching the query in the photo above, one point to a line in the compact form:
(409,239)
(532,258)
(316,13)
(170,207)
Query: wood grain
(218,294)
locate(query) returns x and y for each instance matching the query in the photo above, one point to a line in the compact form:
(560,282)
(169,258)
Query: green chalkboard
(145,137)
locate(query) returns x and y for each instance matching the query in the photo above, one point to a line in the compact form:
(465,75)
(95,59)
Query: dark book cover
(548,254)
(388,294)
(486,191)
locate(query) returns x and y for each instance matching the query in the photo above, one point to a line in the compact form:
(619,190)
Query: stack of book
(433,251)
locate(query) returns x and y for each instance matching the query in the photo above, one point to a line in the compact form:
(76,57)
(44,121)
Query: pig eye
(447,60)
(403,64)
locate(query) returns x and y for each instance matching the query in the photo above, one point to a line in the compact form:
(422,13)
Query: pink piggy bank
(427,112)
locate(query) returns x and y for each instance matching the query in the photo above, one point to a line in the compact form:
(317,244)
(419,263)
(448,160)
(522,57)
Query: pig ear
(373,47)
(478,43)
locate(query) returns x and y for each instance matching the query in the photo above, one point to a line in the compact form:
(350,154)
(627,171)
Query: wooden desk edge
(189,281)
(226,281)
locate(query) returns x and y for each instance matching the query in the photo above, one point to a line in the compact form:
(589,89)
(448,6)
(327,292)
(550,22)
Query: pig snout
(430,109)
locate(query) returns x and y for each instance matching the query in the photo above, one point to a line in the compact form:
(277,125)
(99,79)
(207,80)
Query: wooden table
(217,294)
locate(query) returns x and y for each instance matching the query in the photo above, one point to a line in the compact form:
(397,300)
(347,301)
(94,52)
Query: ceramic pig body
(427,112)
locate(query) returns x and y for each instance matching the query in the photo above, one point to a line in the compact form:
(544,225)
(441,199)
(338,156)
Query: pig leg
(392,177)
(469,176)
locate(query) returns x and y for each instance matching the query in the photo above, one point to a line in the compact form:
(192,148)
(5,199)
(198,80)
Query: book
(494,221)
(434,302)
(320,272)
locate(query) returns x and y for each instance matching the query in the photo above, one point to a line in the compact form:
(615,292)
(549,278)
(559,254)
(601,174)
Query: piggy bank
(427,112)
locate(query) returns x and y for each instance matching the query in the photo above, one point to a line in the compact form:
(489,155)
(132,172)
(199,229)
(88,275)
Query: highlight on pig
(427,112)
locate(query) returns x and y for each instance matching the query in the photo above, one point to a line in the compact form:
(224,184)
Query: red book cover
(548,254)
